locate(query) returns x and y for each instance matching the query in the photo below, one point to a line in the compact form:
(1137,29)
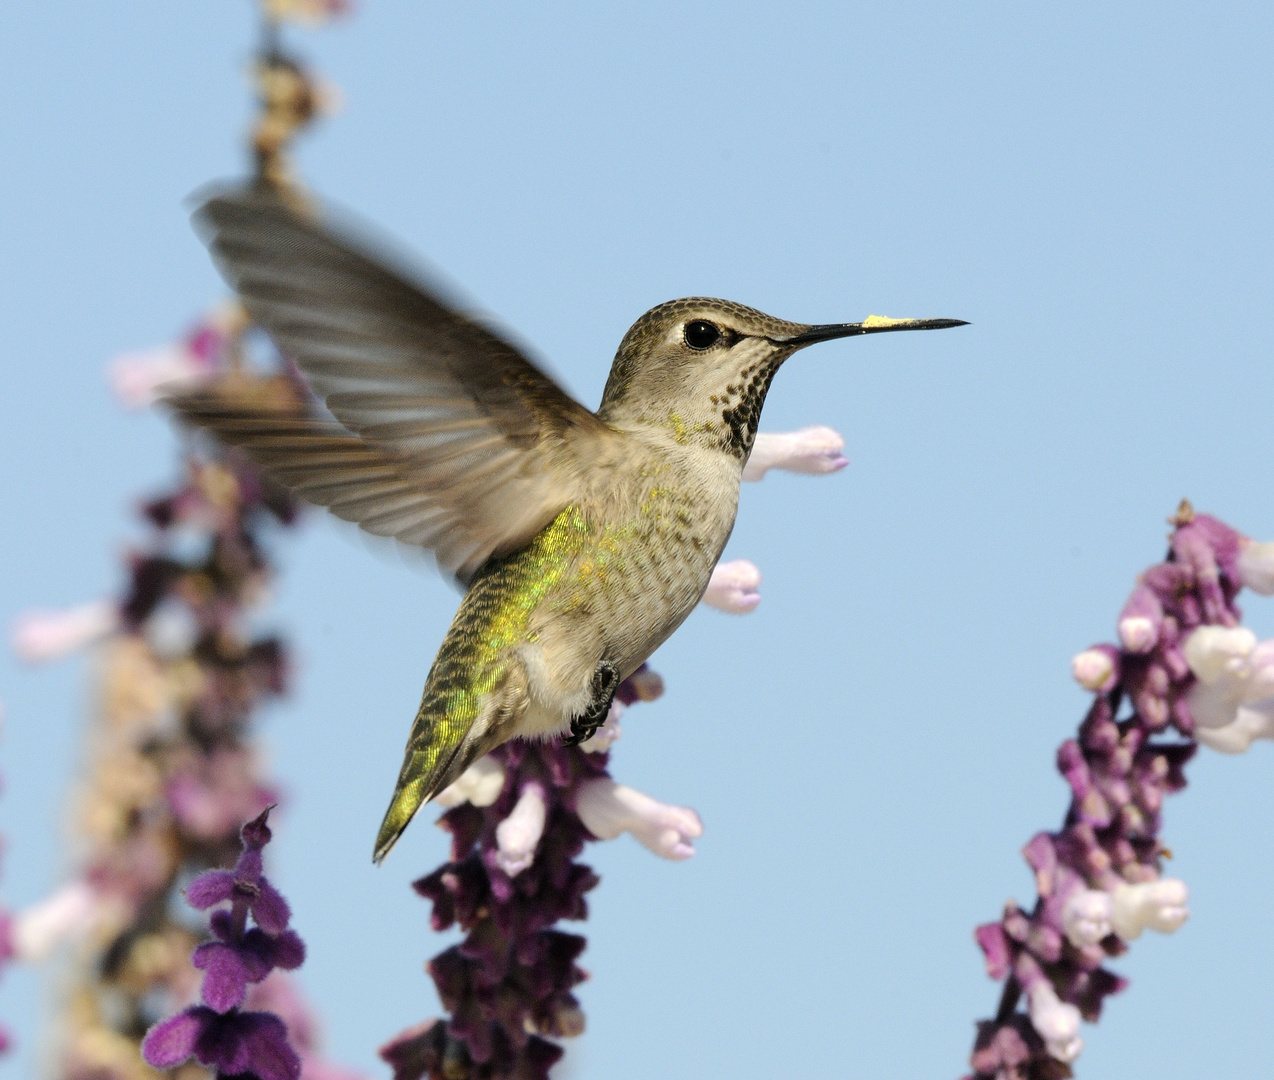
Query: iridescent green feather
(474,661)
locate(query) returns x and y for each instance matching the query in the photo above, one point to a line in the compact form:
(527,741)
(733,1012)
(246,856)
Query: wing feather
(445,435)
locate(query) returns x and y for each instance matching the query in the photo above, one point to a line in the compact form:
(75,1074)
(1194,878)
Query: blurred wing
(448,436)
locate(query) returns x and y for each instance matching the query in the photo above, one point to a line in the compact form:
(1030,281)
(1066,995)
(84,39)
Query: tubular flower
(41,636)
(814,450)
(608,809)
(733,587)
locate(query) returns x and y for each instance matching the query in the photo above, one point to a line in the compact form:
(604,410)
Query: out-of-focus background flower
(870,748)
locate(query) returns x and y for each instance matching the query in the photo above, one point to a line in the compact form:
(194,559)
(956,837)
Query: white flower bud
(1056,1022)
(608,809)
(68,915)
(1256,566)
(1214,652)
(733,587)
(40,636)
(1137,633)
(480,784)
(1159,905)
(1086,917)
(812,450)
(1093,669)
(518,835)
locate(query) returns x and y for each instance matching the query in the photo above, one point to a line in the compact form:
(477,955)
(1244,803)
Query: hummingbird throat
(741,401)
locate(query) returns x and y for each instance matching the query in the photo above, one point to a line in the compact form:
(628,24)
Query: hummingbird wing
(448,437)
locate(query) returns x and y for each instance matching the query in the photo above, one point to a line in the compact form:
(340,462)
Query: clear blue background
(1088,184)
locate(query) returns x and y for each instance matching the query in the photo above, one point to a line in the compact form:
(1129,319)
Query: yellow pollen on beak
(883,320)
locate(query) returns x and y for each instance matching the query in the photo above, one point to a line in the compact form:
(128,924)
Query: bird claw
(605,683)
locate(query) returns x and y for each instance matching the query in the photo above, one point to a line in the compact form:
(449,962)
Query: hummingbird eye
(701,334)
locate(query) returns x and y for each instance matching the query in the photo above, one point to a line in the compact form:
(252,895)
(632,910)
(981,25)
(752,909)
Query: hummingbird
(582,539)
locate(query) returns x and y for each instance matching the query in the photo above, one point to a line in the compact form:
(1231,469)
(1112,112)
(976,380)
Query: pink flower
(518,835)
(608,809)
(212,796)
(812,450)
(480,784)
(1256,566)
(68,915)
(139,379)
(41,636)
(733,587)
(1056,1021)
(1097,668)
(1157,905)
(1141,620)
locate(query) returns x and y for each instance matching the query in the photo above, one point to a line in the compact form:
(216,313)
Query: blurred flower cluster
(1182,665)
(171,768)
(518,818)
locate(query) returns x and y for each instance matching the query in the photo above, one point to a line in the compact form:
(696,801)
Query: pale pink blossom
(1251,722)
(812,450)
(1155,905)
(608,809)
(1232,701)
(733,587)
(1096,669)
(41,636)
(1056,1021)
(518,835)
(139,379)
(1256,566)
(68,915)
(646,684)
(1141,620)
(1086,917)
(1219,652)
(480,784)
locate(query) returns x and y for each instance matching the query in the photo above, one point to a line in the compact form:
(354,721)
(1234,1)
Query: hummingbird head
(702,367)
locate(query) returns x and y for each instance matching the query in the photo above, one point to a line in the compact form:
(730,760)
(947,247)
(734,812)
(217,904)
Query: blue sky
(1089,185)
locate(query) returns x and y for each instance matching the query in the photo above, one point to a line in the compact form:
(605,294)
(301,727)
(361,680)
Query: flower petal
(269,909)
(227,971)
(210,887)
(172,1041)
(733,587)
(265,1047)
(41,636)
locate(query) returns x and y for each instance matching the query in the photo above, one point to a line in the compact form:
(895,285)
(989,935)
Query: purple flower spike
(219,1033)
(517,825)
(1184,663)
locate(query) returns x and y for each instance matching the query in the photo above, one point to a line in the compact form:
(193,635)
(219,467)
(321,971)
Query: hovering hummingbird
(582,539)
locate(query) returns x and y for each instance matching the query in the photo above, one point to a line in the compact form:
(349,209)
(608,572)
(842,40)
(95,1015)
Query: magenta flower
(218,1033)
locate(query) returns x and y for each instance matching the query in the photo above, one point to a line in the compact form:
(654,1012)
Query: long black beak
(873,324)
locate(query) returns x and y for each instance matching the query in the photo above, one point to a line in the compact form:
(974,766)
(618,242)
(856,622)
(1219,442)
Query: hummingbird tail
(443,744)
(417,784)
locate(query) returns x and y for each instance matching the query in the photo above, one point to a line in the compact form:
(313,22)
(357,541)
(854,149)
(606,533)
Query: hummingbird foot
(605,683)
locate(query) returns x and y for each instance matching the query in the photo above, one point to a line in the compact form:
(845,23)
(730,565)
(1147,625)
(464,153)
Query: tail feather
(418,782)
(450,733)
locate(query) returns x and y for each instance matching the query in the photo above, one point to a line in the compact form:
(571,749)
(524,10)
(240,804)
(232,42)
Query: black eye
(701,334)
